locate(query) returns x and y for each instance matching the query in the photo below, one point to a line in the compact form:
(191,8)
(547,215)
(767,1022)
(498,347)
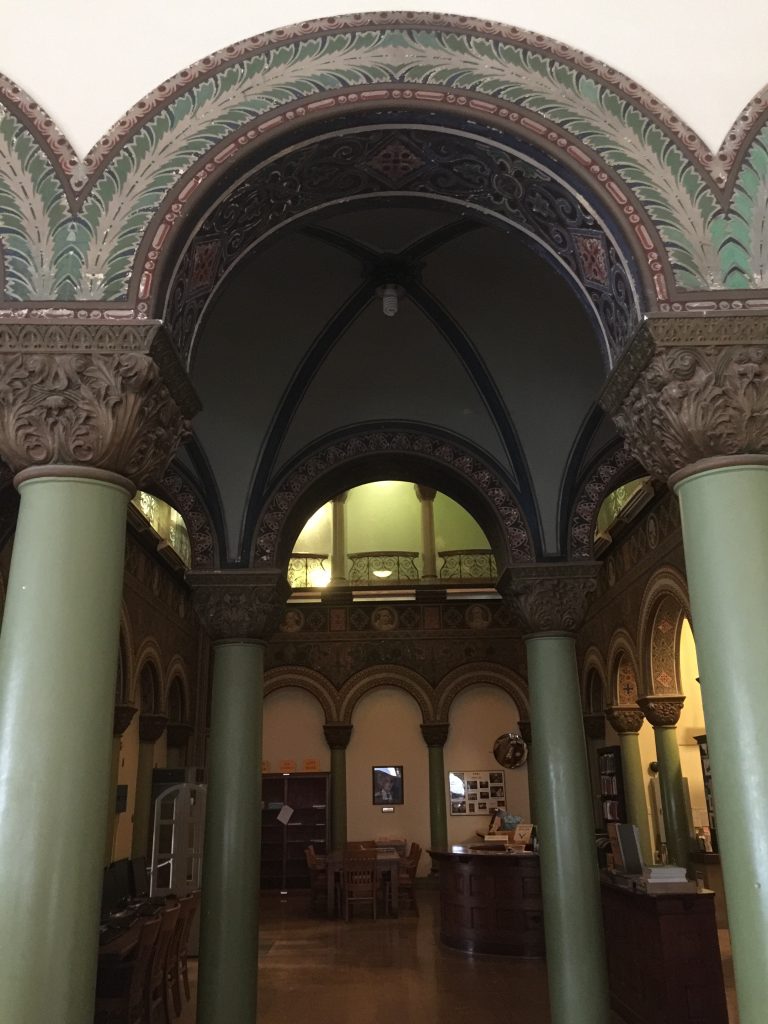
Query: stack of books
(664,878)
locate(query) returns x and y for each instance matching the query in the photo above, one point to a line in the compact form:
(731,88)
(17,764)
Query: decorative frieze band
(435,733)
(663,711)
(550,598)
(103,396)
(241,604)
(690,388)
(625,719)
(337,735)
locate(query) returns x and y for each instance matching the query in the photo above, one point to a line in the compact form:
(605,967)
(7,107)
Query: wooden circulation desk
(490,901)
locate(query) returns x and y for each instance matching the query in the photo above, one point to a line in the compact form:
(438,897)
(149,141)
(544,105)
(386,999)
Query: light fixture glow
(389,300)
(319,577)
(382,573)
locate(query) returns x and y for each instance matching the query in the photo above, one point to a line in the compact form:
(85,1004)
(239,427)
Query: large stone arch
(304,679)
(178,490)
(149,654)
(435,459)
(483,673)
(593,682)
(624,669)
(125,694)
(608,472)
(385,675)
(664,606)
(177,671)
(94,230)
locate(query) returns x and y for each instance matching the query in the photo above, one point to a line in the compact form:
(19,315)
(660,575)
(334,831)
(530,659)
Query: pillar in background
(435,735)
(240,609)
(123,717)
(664,713)
(339,540)
(426,496)
(337,736)
(151,728)
(627,721)
(89,412)
(550,602)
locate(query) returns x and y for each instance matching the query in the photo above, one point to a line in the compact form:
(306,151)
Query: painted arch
(664,607)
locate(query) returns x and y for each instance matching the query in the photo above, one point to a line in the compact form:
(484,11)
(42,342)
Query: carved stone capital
(594,726)
(243,604)
(691,388)
(435,733)
(151,727)
(625,719)
(177,734)
(337,735)
(123,717)
(109,397)
(524,728)
(549,598)
(662,711)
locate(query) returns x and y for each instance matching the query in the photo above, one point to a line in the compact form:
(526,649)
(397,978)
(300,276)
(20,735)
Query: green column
(627,722)
(724,515)
(337,735)
(230,887)
(435,734)
(576,967)
(663,712)
(58,657)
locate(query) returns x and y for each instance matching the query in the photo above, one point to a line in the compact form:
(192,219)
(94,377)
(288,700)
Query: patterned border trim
(600,483)
(460,679)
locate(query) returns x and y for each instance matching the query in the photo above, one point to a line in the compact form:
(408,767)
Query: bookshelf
(611,782)
(707,773)
(283,862)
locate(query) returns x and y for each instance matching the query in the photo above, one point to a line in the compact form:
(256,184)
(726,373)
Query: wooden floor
(368,972)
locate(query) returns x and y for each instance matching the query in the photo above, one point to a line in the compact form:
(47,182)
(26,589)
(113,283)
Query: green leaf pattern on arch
(48,253)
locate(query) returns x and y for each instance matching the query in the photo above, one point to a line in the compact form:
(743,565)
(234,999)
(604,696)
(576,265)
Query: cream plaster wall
(126,776)
(691,724)
(293,730)
(87,61)
(383,516)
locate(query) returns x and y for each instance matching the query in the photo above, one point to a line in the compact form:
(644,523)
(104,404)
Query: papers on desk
(285,814)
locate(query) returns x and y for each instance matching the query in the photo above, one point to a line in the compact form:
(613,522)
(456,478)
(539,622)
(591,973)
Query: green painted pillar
(724,512)
(627,722)
(230,886)
(58,657)
(576,966)
(663,712)
(435,734)
(337,736)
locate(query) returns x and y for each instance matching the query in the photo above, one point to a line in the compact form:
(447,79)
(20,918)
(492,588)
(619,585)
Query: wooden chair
(157,981)
(406,879)
(121,991)
(359,881)
(184,943)
(172,990)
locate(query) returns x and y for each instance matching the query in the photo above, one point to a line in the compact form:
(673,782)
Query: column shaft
(724,513)
(634,790)
(438,821)
(230,897)
(578,983)
(338,797)
(58,657)
(339,539)
(428,548)
(672,795)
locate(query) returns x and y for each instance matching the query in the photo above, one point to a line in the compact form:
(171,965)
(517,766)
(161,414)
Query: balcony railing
(307,570)
(370,568)
(468,564)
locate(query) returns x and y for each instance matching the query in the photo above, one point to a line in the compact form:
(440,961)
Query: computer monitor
(116,889)
(139,878)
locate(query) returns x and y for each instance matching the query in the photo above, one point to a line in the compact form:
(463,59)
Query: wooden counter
(490,902)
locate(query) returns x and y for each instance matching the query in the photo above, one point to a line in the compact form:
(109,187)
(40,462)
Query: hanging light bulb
(389,300)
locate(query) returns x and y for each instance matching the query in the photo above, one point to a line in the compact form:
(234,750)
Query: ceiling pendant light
(389,300)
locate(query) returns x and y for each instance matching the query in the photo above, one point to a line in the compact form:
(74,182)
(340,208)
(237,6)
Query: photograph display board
(477,792)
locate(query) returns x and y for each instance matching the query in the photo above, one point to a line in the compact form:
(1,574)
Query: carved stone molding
(151,727)
(435,733)
(123,717)
(549,598)
(625,719)
(241,604)
(337,735)
(594,726)
(524,728)
(178,734)
(663,711)
(691,388)
(103,396)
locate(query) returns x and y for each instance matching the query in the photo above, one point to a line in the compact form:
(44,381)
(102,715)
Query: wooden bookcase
(283,863)
(611,782)
(707,773)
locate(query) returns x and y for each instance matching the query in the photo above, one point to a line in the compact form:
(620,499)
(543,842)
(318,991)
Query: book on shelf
(664,873)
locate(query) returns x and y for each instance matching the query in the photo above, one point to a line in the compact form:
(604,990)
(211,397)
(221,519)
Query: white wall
(87,62)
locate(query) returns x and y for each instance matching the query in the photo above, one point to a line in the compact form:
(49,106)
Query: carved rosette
(122,719)
(242,604)
(337,735)
(435,733)
(594,726)
(524,728)
(625,719)
(549,598)
(109,397)
(151,727)
(691,388)
(662,712)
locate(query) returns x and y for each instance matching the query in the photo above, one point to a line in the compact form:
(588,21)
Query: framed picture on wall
(387,784)
(476,792)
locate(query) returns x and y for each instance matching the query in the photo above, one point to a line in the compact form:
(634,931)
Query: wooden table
(386,861)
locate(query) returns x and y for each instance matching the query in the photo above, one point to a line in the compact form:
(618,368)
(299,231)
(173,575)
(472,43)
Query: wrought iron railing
(377,567)
(468,564)
(307,570)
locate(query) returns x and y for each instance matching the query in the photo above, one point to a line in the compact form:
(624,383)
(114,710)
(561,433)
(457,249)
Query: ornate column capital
(424,493)
(625,718)
(177,734)
(123,717)
(242,604)
(691,388)
(549,598)
(524,728)
(435,733)
(337,735)
(662,712)
(151,727)
(96,396)
(594,726)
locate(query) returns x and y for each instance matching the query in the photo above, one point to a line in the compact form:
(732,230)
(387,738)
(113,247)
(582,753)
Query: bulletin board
(477,792)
